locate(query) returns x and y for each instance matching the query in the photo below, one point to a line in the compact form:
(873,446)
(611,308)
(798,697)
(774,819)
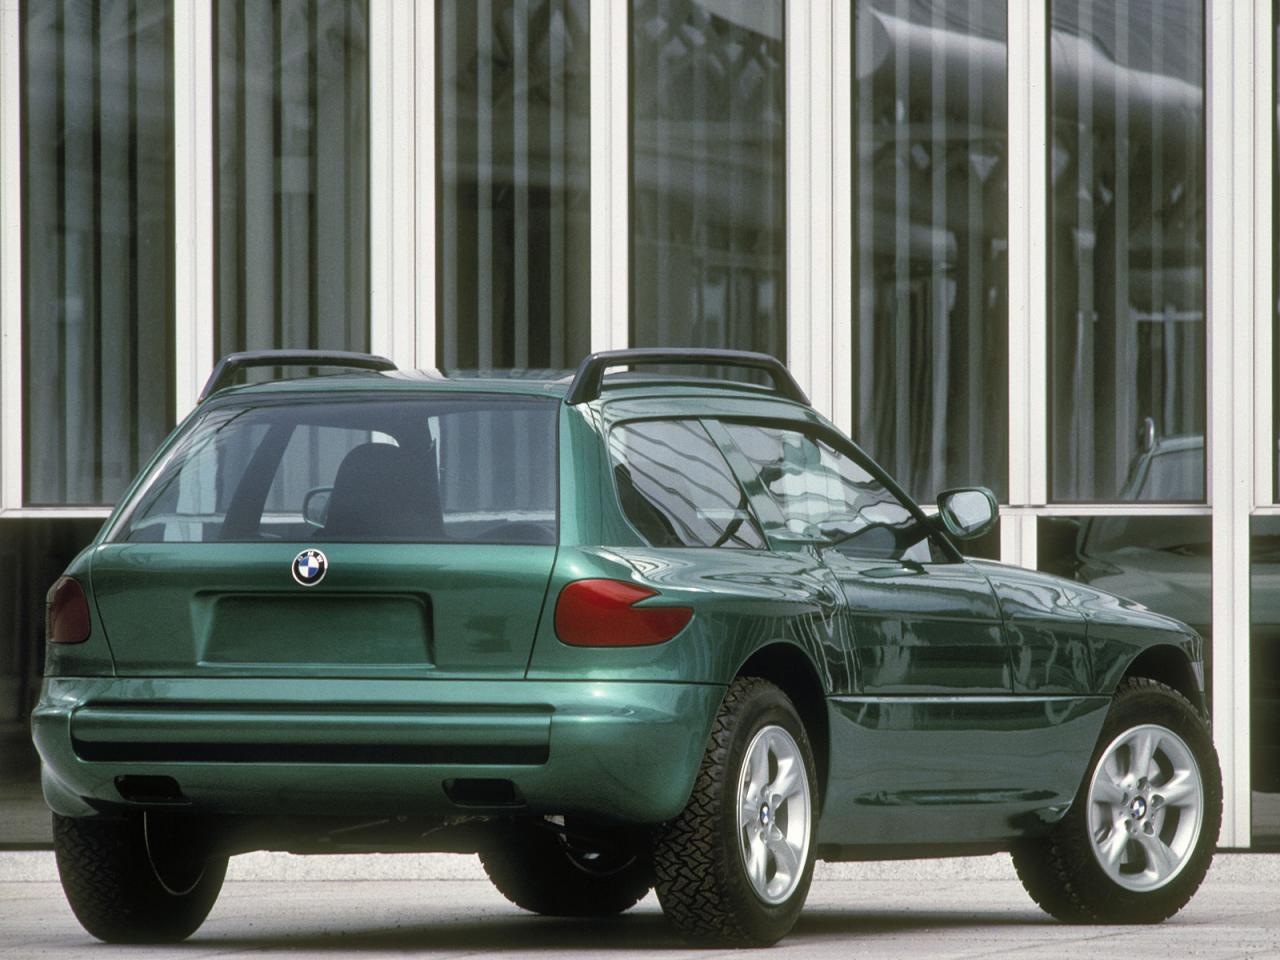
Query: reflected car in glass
(646,631)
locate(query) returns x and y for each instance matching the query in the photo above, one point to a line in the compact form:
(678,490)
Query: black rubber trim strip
(233,363)
(294,753)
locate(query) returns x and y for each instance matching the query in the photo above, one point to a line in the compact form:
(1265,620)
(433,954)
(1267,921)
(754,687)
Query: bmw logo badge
(309,567)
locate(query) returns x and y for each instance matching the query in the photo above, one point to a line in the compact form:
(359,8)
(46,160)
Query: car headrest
(381,492)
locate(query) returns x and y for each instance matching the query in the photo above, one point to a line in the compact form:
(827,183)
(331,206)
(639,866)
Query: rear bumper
(622,751)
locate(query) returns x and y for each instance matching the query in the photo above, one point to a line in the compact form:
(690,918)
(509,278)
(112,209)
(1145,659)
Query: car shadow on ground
(640,931)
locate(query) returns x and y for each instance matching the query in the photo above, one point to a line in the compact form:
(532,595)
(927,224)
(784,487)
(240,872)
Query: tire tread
(694,871)
(112,890)
(1050,868)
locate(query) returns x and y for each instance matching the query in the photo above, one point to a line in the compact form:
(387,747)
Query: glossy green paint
(922,628)
(744,600)
(943,770)
(383,609)
(620,751)
(1045,631)
(961,701)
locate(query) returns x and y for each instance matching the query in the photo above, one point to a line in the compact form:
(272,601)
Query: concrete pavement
(441,906)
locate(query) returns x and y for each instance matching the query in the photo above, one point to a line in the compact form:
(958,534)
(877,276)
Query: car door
(929,739)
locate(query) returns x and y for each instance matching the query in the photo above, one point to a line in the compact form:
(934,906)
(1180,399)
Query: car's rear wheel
(562,873)
(1140,835)
(140,879)
(734,868)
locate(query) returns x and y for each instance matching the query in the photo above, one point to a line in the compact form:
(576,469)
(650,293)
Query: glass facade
(514,230)
(932,198)
(708,175)
(1161,562)
(930,316)
(1127,334)
(291,134)
(33,552)
(1264,673)
(97,244)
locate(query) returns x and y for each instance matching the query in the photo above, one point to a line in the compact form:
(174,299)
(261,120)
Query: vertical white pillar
(843,70)
(1264,239)
(1232,217)
(610,165)
(423,313)
(810,197)
(10,259)
(1028,81)
(393,169)
(193,117)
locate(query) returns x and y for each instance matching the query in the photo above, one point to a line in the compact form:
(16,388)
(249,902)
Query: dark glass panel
(291,141)
(931,226)
(97,244)
(1264,677)
(708,175)
(1161,562)
(33,554)
(1127,269)
(514,228)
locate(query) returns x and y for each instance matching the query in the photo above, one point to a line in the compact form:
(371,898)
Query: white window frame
(10,261)
(610,68)
(402,178)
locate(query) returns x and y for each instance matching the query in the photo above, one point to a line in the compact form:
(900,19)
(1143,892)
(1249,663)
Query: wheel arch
(791,669)
(1169,665)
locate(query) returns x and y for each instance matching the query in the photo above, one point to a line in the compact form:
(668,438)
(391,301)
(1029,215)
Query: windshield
(471,469)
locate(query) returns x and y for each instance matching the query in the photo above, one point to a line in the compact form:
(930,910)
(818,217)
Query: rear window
(449,469)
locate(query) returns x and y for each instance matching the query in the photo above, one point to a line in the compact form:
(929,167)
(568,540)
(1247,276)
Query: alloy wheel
(773,814)
(1146,807)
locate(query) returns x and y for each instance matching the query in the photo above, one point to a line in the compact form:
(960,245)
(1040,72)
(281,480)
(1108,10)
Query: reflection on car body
(612,634)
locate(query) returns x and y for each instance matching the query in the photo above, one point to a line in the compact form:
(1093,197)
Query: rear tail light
(66,612)
(603,613)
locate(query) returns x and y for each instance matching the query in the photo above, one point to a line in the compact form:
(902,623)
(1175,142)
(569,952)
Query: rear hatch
(350,536)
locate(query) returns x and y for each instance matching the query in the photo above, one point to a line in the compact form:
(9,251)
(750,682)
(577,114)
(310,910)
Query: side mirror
(315,506)
(967,512)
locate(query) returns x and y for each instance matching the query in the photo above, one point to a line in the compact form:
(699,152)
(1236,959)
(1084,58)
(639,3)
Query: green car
(649,630)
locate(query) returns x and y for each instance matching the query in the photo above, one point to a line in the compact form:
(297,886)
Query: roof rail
(589,379)
(233,363)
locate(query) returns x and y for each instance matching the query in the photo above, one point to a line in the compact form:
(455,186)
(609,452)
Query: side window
(825,495)
(676,487)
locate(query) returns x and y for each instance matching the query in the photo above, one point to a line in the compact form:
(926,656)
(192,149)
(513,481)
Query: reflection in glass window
(1127,271)
(1264,676)
(708,179)
(1162,562)
(291,129)
(33,553)
(676,488)
(97,243)
(513,232)
(930,315)
(824,495)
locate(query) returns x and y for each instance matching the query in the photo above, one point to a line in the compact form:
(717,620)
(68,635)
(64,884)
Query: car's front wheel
(140,879)
(734,868)
(1138,840)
